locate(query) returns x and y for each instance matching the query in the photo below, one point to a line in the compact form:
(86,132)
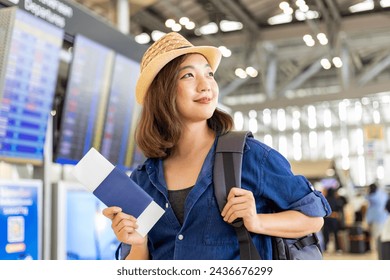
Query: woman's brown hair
(160,124)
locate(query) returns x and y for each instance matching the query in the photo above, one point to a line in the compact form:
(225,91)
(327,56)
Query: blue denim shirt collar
(155,170)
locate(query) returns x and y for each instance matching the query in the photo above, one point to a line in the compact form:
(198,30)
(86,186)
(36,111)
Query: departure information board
(20,219)
(82,232)
(86,100)
(118,133)
(29,60)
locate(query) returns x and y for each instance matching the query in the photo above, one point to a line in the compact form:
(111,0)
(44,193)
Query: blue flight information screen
(29,76)
(118,132)
(86,100)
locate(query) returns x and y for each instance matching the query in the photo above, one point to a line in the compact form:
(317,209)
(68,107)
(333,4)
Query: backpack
(227,174)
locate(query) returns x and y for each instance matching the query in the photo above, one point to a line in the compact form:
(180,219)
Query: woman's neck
(194,138)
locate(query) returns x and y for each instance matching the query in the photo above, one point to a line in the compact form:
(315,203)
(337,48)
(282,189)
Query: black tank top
(177,199)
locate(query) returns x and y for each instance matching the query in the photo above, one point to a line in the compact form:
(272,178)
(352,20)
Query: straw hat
(163,51)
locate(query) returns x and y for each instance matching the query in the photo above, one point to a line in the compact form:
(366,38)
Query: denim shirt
(204,234)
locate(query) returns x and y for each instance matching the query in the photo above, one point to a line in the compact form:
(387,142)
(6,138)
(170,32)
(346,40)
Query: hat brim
(212,54)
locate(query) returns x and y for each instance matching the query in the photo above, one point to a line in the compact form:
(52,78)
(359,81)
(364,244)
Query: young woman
(178,131)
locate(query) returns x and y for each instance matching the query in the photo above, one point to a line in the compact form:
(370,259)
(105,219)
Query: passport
(114,187)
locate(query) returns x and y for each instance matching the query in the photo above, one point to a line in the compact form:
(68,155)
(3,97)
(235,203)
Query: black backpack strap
(227,174)
(228,163)
(311,239)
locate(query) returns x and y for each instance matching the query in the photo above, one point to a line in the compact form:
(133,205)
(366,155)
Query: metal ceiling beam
(148,20)
(333,23)
(381,63)
(334,11)
(242,16)
(283,34)
(232,86)
(283,102)
(271,76)
(251,60)
(298,80)
(346,69)
(352,25)
(324,11)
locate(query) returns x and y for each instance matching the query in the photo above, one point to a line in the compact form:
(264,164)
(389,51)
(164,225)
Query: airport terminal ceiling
(352,37)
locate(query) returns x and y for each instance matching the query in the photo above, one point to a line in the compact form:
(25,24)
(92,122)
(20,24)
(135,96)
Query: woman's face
(197,91)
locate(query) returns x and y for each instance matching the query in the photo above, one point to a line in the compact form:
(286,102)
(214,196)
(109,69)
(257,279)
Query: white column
(123,16)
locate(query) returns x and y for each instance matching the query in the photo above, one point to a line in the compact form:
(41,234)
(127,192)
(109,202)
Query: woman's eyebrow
(192,67)
(186,67)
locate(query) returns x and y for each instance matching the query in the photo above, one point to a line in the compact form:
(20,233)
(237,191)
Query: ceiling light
(386,98)
(229,25)
(225,51)
(321,36)
(170,22)
(281,117)
(376,117)
(338,63)
(252,72)
(322,39)
(210,28)
(327,118)
(325,63)
(304,8)
(284,5)
(307,37)
(240,73)
(156,34)
(280,19)
(299,15)
(267,116)
(176,27)
(142,38)
(361,7)
(190,25)
(288,11)
(184,20)
(311,117)
(309,41)
(385,3)
(252,114)
(312,14)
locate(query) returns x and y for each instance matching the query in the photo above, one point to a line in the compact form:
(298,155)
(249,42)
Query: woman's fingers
(110,212)
(122,217)
(123,221)
(124,226)
(240,204)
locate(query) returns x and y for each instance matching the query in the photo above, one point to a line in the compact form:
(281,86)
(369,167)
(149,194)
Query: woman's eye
(188,75)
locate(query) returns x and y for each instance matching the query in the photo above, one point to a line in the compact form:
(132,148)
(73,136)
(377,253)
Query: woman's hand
(124,226)
(241,204)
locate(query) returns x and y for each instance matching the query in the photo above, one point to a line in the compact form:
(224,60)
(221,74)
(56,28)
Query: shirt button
(180,237)
(167,205)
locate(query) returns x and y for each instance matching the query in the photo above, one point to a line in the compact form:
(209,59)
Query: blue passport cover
(117,189)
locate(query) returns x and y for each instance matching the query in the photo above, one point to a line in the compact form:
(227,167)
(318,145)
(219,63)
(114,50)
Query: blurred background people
(384,239)
(334,222)
(376,213)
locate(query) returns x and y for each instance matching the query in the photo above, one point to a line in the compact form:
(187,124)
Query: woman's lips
(203,100)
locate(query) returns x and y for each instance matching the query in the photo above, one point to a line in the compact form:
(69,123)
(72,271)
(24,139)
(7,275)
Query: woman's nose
(203,85)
